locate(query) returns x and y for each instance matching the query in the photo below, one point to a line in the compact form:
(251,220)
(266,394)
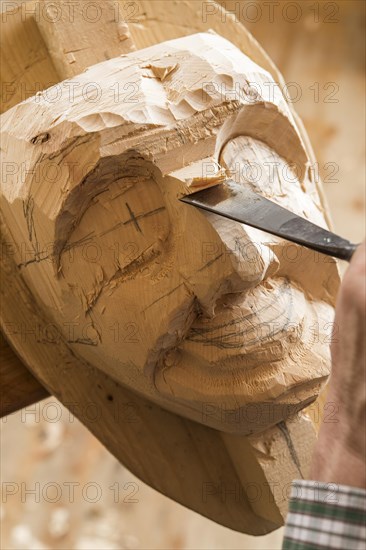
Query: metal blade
(242,204)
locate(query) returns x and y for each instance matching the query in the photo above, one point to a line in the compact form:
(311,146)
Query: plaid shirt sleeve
(325,516)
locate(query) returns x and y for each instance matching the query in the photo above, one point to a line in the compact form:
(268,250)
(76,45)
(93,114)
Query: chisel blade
(240,203)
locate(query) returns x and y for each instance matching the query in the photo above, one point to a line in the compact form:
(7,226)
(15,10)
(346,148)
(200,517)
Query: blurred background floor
(82,498)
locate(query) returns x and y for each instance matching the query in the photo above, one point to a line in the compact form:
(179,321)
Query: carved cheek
(119,237)
(115,270)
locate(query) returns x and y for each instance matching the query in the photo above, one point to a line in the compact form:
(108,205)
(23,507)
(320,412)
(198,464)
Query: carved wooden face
(205,316)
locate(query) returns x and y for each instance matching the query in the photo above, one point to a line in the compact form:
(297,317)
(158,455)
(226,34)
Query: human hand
(339,455)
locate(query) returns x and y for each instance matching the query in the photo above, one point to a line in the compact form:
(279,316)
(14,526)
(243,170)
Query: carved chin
(252,364)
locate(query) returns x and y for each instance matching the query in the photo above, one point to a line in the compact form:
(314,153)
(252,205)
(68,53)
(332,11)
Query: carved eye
(122,231)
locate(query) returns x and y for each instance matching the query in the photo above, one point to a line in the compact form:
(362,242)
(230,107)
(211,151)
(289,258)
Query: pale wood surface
(129,424)
(44,360)
(145,168)
(348,216)
(84,36)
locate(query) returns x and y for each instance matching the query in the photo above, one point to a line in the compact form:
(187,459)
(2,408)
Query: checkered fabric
(325,516)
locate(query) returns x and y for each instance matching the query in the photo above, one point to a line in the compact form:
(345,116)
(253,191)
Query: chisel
(240,203)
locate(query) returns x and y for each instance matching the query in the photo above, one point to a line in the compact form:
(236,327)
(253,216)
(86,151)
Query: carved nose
(218,256)
(249,254)
(228,258)
(250,259)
